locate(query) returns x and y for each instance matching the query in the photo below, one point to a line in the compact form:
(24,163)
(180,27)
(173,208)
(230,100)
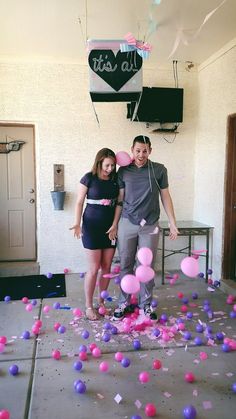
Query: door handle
(234,206)
(31,201)
(31,190)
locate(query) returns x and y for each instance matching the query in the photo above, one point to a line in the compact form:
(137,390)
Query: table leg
(163,258)
(189,244)
(207,254)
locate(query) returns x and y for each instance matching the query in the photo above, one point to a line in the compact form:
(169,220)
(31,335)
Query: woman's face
(108,165)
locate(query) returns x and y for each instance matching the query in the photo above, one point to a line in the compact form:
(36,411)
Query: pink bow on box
(142,48)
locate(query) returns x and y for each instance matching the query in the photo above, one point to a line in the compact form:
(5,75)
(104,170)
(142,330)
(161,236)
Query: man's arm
(169,209)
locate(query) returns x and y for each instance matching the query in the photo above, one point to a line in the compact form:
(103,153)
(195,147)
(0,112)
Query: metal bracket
(11,146)
(58,170)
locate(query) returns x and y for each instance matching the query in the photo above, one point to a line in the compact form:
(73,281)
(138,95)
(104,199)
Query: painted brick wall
(55,98)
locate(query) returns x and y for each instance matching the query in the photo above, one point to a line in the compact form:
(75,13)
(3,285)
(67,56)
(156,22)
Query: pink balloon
(145,256)
(104,366)
(119,356)
(2,347)
(56,354)
(190,266)
(203,356)
(144,377)
(144,273)
(4,414)
(123,158)
(96,352)
(130,284)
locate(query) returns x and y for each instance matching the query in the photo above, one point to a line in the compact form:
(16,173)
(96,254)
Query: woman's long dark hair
(100,156)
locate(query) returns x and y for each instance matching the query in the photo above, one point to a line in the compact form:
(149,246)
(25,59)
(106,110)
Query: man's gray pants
(132,237)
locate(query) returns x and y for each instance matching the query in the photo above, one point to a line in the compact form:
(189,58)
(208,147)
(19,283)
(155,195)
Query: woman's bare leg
(94,262)
(106,261)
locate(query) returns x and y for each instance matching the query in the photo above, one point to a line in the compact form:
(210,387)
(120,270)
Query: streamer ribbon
(131,44)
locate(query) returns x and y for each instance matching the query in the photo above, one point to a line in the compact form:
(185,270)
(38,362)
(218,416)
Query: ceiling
(56,30)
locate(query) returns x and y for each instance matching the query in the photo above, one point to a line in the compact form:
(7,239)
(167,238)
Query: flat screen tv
(158,104)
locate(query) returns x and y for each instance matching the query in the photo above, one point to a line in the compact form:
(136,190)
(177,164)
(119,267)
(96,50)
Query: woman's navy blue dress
(97,219)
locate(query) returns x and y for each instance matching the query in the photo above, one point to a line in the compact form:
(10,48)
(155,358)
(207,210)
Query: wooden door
(229,252)
(17,194)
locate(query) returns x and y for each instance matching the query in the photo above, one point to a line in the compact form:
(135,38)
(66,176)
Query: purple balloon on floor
(189,412)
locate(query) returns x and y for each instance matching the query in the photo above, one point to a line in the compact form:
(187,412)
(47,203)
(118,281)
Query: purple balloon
(83,348)
(194,296)
(164,317)
(106,337)
(234,387)
(189,315)
(104,294)
(201,275)
(189,412)
(154,303)
(49,275)
(34,302)
(61,329)
(225,347)
(136,344)
(187,335)
(56,305)
(125,362)
(80,387)
(85,334)
(26,334)
(114,330)
(156,332)
(107,326)
(232,314)
(199,328)
(220,336)
(117,280)
(78,365)
(13,369)
(198,341)
(209,329)
(7,298)
(185,300)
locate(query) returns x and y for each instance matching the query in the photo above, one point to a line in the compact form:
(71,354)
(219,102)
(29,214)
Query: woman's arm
(169,209)
(82,192)
(112,232)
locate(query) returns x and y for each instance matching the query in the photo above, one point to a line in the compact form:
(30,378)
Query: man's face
(140,153)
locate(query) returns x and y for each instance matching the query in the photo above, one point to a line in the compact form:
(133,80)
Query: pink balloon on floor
(130,284)
(145,256)
(104,366)
(144,273)
(123,158)
(190,266)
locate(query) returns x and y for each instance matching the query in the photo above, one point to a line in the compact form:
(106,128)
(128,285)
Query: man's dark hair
(142,139)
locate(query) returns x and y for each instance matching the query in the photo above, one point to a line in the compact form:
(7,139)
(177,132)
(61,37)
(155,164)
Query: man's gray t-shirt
(141,185)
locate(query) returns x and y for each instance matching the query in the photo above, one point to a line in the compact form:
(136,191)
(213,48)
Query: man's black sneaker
(119,312)
(149,312)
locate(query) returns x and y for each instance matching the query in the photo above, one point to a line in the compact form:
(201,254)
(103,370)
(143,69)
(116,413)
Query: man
(141,183)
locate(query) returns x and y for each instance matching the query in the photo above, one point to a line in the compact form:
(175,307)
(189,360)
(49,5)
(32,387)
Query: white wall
(55,98)
(217,100)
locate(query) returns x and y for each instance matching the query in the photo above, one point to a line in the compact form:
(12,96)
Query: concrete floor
(44,387)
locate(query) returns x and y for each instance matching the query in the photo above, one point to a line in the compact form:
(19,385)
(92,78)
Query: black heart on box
(117,69)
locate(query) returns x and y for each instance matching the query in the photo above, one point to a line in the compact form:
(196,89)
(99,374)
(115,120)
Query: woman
(98,232)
